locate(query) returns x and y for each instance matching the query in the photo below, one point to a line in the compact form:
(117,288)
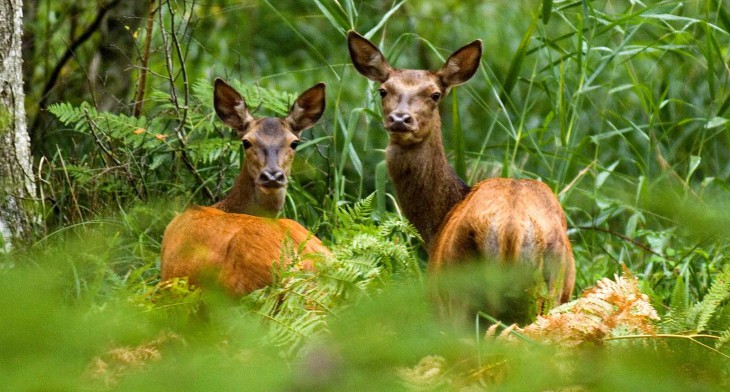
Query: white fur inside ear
(242,112)
(450,68)
(375,59)
(379,68)
(296,112)
(300,118)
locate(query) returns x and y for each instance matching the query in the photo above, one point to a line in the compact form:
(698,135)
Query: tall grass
(620,107)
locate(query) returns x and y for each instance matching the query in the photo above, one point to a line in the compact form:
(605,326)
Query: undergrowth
(621,107)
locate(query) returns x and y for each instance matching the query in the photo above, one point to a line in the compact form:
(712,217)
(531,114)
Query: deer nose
(400,117)
(272,178)
(400,121)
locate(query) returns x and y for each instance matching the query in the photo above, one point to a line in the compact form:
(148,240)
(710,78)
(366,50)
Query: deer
(239,239)
(501,221)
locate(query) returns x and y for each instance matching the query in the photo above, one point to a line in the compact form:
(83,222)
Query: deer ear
(461,65)
(367,58)
(307,109)
(230,107)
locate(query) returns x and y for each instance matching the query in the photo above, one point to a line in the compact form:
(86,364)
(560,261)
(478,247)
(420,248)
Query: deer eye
(246,144)
(294,144)
(382,92)
(436,96)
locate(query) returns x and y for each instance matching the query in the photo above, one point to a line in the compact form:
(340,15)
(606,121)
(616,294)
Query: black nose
(272,178)
(404,118)
(399,122)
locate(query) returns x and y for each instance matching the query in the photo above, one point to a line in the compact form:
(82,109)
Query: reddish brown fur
(499,219)
(509,220)
(240,249)
(228,239)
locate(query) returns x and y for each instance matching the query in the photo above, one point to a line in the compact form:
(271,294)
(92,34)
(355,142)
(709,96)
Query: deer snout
(272,178)
(400,122)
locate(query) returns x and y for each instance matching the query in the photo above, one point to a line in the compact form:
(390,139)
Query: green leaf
(547,9)
(383,20)
(516,64)
(719,293)
(694,162)
(458,138)
(716,122)
(603,175)
(310,143)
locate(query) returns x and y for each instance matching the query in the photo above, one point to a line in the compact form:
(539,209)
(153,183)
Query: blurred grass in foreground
(69,323)
(376,345)
(598,103)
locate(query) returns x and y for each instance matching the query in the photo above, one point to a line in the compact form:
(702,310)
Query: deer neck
(247,198)
(426,186)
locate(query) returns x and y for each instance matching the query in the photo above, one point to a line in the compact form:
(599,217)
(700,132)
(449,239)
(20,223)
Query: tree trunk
(17,185)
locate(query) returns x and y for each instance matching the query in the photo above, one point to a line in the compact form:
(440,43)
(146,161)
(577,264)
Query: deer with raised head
(510,221)
(237,238)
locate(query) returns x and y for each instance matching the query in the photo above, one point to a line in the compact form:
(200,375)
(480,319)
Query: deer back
(239,250)
(513,222)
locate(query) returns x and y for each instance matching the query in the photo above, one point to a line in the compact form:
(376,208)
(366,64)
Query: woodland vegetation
(621,106)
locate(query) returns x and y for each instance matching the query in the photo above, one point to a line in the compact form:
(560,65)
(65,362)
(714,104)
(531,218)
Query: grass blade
(516,64)
(547,9)
(458,138)
(383,20)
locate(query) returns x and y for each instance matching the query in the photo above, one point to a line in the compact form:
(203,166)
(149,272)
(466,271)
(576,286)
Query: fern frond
(397,225)
(209,150)
(612,308)
(272,100)
(724,339)
(710,313)
(367,256)
(356,214)
(84,117)
(717,296)
(677,317)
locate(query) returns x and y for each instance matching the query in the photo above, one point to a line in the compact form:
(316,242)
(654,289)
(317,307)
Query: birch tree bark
(17,185)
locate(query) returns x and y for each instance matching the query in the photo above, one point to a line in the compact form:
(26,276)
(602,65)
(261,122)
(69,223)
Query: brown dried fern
(110,367)
(611,308)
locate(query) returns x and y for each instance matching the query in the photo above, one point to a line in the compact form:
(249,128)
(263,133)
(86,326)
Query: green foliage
(711,310)
(84,118)
(166,155)
(368,257)
(621,107)
(173,302)
(710,315)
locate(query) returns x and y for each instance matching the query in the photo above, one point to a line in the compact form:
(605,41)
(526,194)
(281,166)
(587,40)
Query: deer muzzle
(400,122)
(271,179)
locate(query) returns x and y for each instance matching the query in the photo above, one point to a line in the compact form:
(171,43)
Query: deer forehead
(413,82)
(271,131)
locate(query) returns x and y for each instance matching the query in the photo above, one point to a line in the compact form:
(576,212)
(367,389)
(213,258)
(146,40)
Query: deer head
(270,145)
(411,97)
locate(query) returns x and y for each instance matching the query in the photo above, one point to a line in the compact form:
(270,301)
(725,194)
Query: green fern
(368,255)
(723,340)
(714,301)
(84,118)
(710,314)
(272,100)
(174,300)
(139,156)
(357,215)
(676,319)
(210,150)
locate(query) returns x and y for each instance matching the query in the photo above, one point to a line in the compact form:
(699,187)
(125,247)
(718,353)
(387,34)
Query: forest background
(621,107)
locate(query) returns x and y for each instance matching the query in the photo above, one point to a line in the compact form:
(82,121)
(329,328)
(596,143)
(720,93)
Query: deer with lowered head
(237,239)
(507,221)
